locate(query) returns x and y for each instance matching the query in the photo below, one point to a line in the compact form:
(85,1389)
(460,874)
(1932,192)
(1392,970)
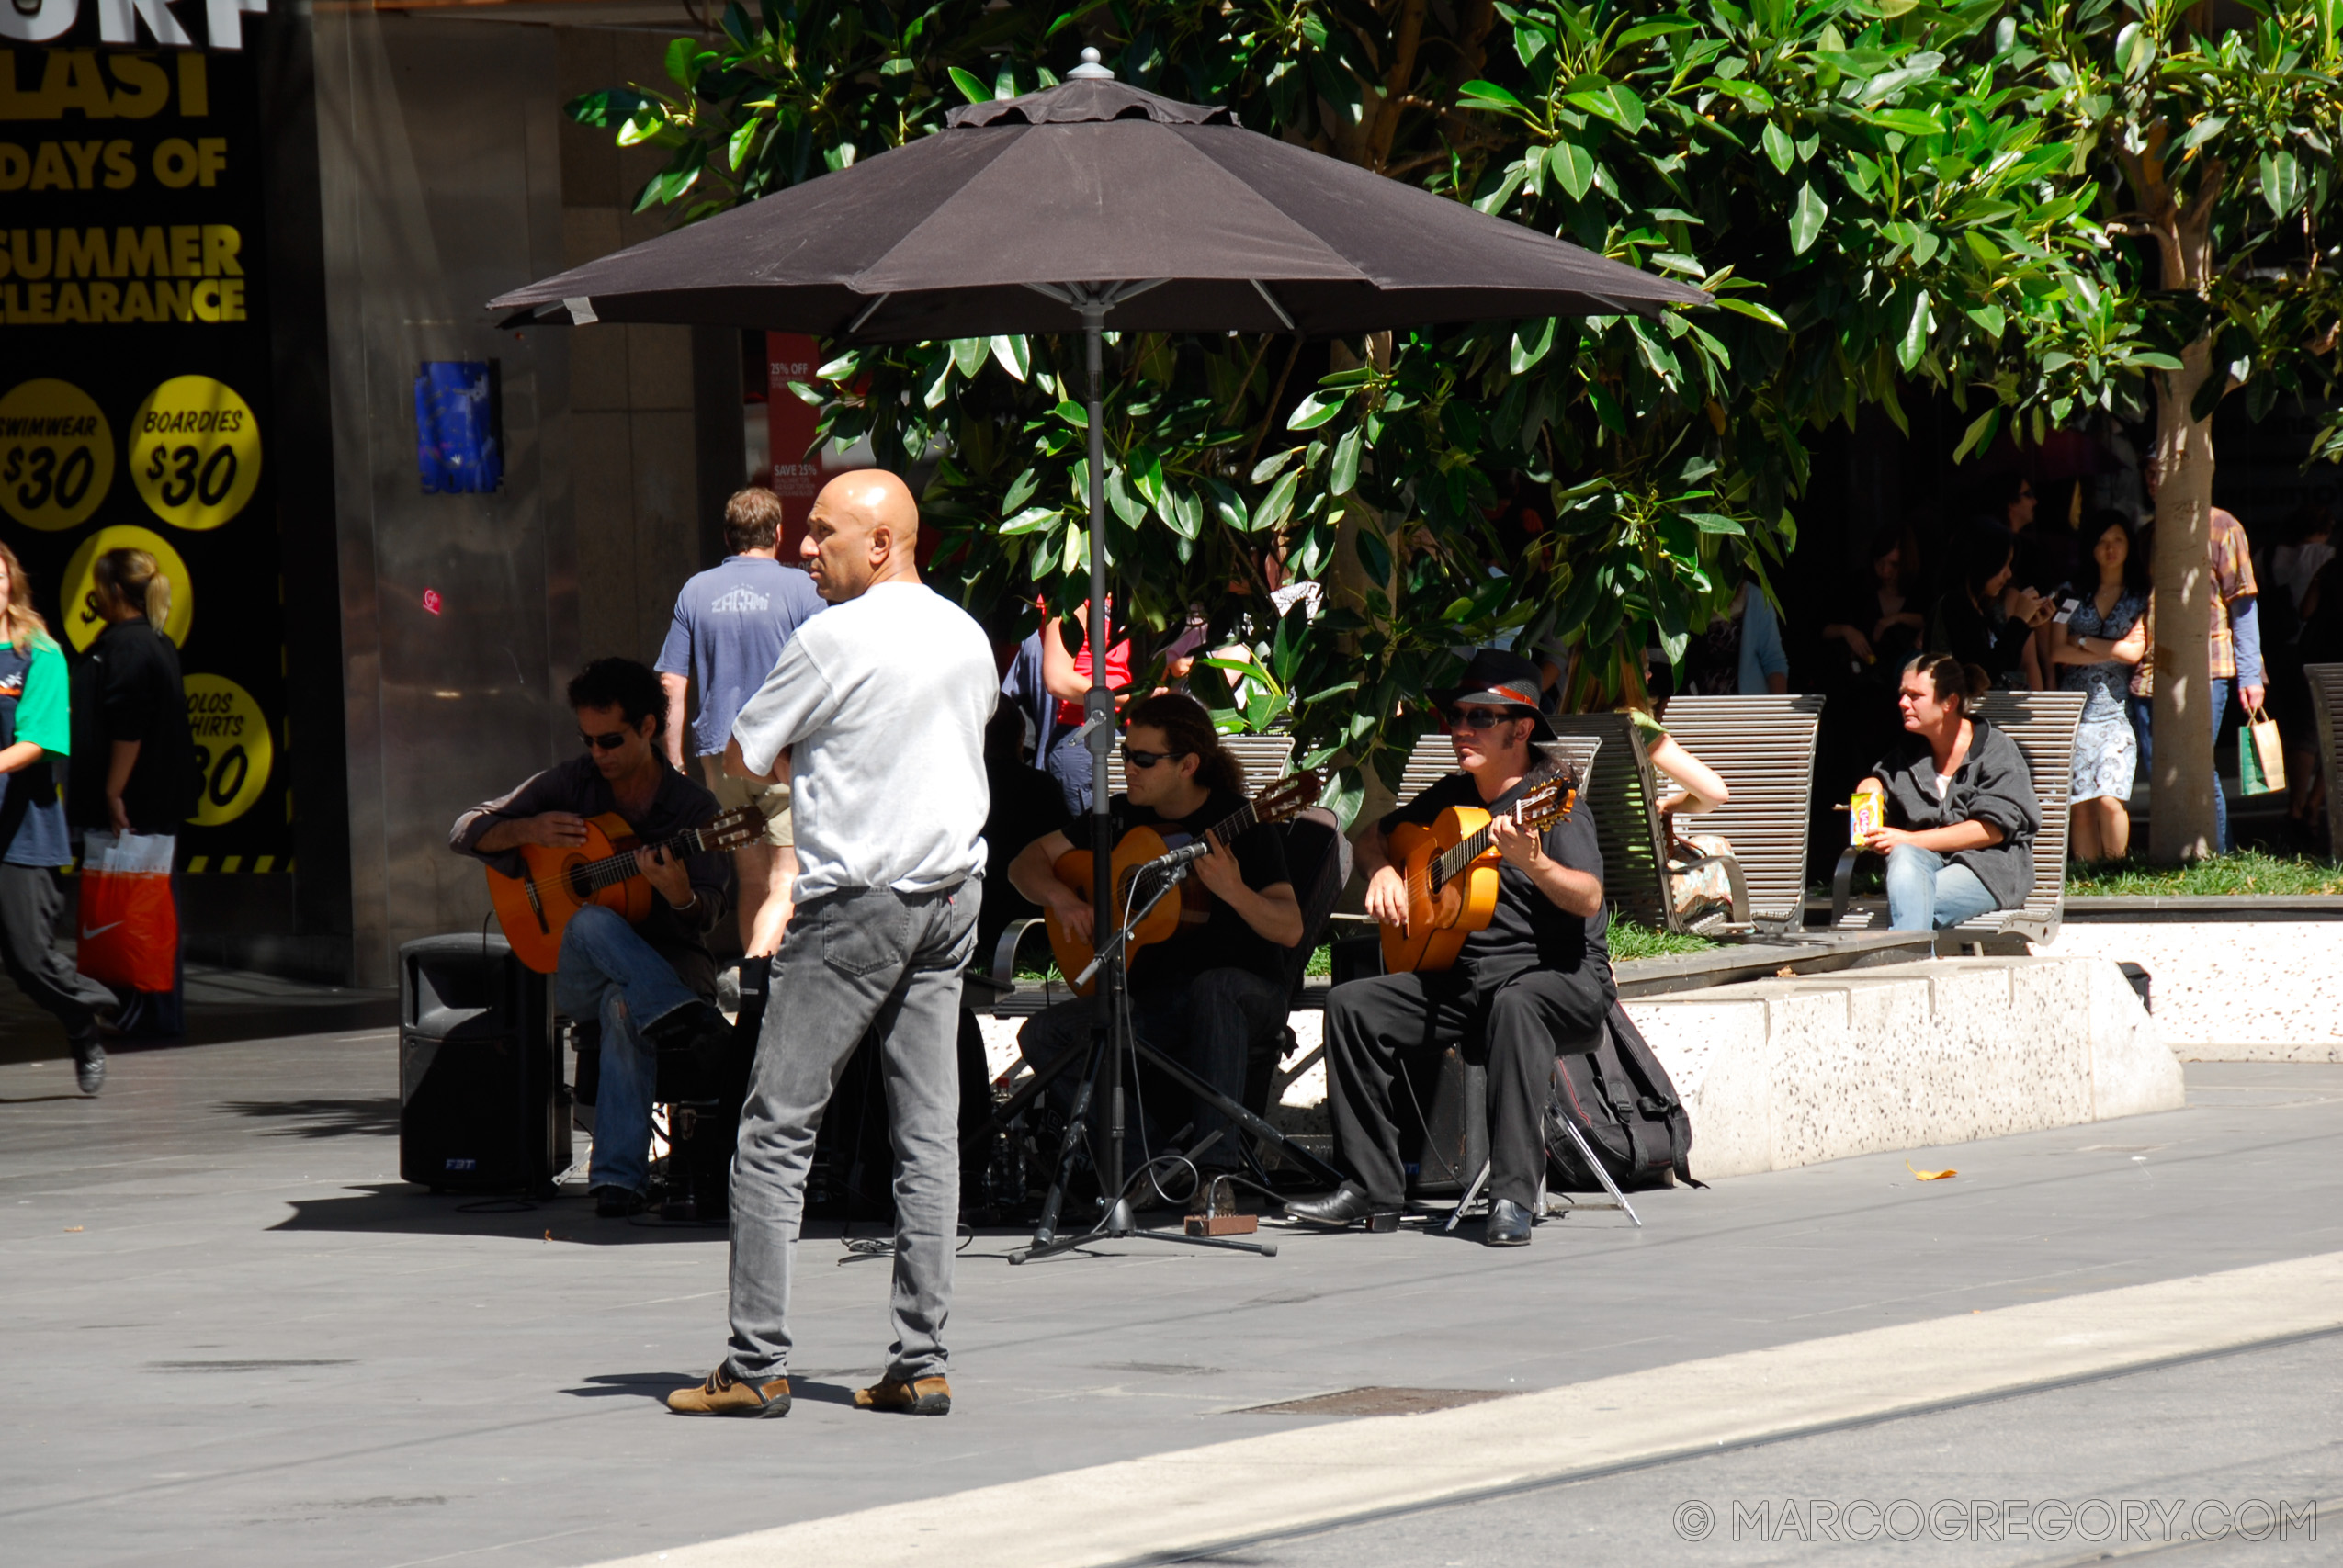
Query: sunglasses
(1480,719)
(1136,759)
(609,742)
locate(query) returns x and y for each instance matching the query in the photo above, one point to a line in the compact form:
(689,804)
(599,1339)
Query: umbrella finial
(1090,70)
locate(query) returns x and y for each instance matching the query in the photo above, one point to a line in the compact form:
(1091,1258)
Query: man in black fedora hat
(1535,981)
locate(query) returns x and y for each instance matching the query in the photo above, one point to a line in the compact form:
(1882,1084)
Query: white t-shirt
(883,699)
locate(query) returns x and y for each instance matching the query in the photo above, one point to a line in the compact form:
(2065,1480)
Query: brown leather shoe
(927,1396)
(724,1394)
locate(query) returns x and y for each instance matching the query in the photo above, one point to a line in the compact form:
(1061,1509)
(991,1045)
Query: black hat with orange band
(1504,679)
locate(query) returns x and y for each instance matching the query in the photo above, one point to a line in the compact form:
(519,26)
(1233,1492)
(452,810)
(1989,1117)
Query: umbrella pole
(1098,711)
(1110,1025)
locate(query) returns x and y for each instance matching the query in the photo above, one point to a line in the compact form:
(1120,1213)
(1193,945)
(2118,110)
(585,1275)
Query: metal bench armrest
(1842,882)
(1004,955)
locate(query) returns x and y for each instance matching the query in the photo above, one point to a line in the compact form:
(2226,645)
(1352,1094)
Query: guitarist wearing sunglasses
(1204,995)
(1535,980)
(653,985)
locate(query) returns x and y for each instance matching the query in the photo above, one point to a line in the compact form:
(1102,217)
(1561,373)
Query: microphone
(1184,855)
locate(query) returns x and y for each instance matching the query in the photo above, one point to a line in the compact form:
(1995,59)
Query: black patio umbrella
(1094,204)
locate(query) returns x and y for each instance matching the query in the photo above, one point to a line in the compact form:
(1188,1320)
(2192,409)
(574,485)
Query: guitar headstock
(1288,797)
(1549,802)
(740,826)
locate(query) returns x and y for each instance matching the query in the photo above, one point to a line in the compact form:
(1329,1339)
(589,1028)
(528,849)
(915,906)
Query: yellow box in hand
(1866,814)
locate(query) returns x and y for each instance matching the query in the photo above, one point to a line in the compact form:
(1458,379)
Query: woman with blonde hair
(134,770)
(35,737)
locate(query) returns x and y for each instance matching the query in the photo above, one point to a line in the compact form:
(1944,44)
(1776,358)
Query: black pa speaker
(478,1069)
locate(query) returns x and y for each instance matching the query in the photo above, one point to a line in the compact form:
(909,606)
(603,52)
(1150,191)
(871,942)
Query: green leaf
(1780,148)
(1316,411)
(1271,465)
(1278,505)
(2203,131)
(681,60)
(1021,490)
(2282,183)
(1489,98)
(1914,341)
(1752,310)
(1032,520)
(1715,522)
(1910,122)
(736,147)
(1806,219)
(1012,355)
(1989,319)
(2155,361)
(967,354)
(1073,413)
(1527,352)
(1343,475)
(1146,475)
(2135,48)
(1572,167)
(1374,553)
(1980,433)
(972,86)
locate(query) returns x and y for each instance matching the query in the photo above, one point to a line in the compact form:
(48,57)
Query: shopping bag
(2262,755)
(129,927)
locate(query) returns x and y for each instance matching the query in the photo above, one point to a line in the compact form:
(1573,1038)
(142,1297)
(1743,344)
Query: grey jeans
(869,960)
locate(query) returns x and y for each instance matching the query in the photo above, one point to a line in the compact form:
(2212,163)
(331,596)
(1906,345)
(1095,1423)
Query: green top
(41,716)
(1645,725)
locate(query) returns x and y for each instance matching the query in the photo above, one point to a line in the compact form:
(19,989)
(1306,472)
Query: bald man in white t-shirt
(876,714)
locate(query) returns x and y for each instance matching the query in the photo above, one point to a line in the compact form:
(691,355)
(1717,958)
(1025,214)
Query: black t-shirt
(1212,935)
(128,688)
(1527,930)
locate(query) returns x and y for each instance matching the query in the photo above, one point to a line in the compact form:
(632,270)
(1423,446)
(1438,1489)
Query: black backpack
(1620,1101)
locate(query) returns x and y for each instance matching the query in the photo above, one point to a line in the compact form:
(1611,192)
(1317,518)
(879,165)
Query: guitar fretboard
(590,878)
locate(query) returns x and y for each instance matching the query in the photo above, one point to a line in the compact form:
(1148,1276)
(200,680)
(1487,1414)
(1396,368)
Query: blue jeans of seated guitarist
(1208,1025)
(609,972)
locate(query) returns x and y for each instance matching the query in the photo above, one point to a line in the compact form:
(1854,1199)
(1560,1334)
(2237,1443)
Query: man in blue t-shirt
(731,626)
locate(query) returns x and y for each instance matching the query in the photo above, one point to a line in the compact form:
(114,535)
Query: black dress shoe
(1344,1207)
(619,1202)
(1509,1225)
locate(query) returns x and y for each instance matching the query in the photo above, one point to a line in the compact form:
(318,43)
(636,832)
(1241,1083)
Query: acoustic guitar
(1288,797)
(1451,868)
(534,910)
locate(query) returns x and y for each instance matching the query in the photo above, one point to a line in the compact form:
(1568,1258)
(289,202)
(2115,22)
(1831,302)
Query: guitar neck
(613,869)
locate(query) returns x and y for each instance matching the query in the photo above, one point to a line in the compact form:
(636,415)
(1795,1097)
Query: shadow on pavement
(657,1385)
(400,1208)
(322,1118)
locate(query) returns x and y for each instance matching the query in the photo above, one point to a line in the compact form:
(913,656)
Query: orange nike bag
(129,927)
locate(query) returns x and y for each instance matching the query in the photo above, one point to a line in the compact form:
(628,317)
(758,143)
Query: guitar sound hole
(581,885)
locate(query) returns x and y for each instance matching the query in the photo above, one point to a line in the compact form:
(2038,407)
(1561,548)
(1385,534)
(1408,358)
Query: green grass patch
(1629,939)
(2245,874)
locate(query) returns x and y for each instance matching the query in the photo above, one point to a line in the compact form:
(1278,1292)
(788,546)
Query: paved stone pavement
(235,1336)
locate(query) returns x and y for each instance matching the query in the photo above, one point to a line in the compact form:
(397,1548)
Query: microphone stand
(1110,1040)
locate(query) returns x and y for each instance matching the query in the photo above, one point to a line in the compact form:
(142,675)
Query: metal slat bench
(2043,725)
(2327,707)
(1264,758)
(1764,748)
(1625,790)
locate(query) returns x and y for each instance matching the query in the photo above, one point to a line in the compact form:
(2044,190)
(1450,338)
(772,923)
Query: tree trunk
(2181,825)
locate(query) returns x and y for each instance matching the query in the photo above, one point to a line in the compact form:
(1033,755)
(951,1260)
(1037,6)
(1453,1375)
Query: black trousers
(1513,1023)
(30,902)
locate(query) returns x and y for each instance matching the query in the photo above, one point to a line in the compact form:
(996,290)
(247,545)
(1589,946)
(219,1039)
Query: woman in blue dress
(2096,651)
